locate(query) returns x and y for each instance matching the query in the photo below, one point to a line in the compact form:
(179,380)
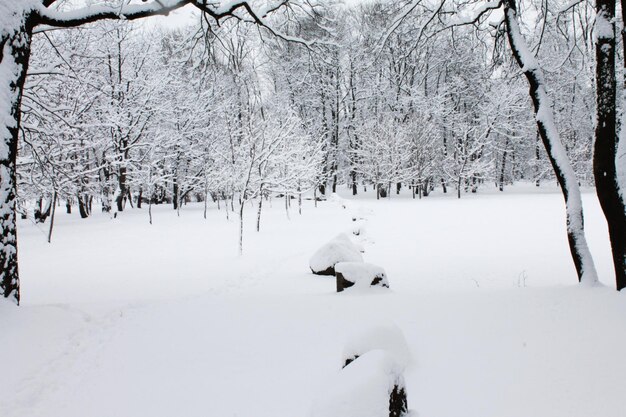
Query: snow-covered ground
(121,318)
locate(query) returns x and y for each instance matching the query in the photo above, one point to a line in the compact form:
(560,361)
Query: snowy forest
(117,114)
(170,177)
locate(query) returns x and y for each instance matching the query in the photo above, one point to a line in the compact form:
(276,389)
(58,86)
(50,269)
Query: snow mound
(359,275)
(358,247)
(340,249)
(386,337)
(362,389)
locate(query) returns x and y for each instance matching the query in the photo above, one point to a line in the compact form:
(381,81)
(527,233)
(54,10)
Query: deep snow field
(120,318)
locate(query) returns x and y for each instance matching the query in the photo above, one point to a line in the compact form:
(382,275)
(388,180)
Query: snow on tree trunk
(606,144)
(15,38)
(620,159)
(551,141)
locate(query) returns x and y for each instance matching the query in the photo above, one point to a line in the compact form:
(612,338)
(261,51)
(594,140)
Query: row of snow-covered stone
(342,258)
(371,381)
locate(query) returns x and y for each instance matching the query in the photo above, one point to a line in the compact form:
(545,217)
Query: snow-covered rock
(340,249)
(359,275)
(387,337)
(371,386)
(358,229)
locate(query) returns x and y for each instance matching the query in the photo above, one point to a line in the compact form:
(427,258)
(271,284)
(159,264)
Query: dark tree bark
(537,159)
(175,193)
(121,178)
(42,212)
(54,205)
(83,207)
(503,167)
(606,139)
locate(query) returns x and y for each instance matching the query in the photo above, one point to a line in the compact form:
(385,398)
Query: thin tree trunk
(226,206)
(537,159)
(54,206)
(503,167)
(258,215)
(241,229)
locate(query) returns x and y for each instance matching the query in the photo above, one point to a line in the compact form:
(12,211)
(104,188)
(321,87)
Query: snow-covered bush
(340,249)
(359,275)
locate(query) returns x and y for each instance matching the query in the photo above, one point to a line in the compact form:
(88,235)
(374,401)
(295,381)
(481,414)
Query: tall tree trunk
(54,205)
(175,197)
(606,139)
(14,56)
(548,132)
(119,200)
(503,167)
(82,206)
(299,199)
(537,159)
(241,207)
(258,214)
